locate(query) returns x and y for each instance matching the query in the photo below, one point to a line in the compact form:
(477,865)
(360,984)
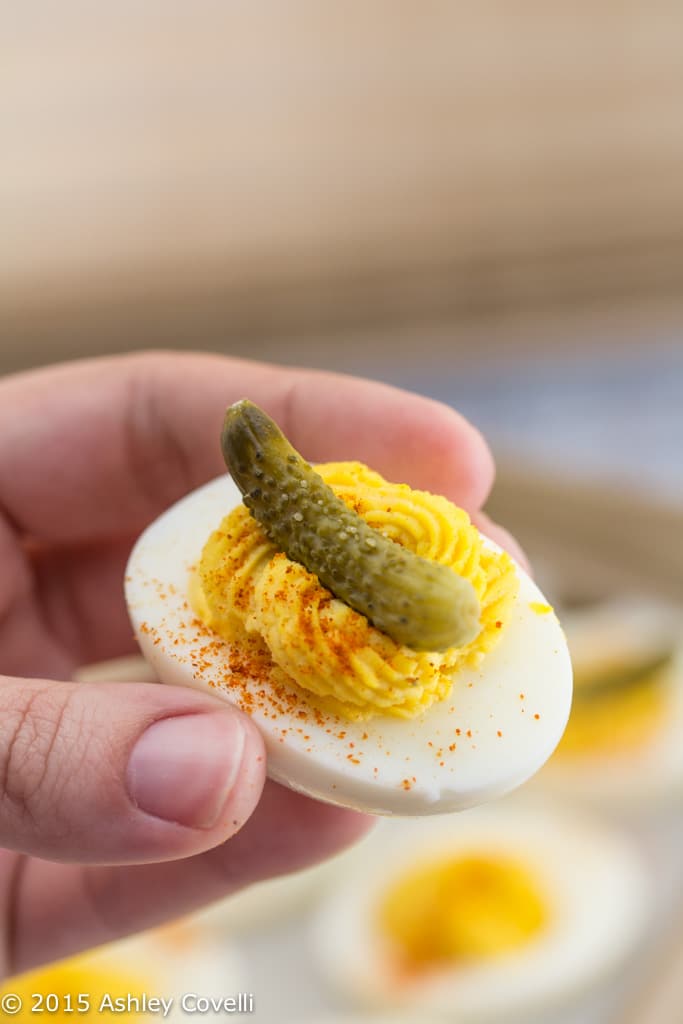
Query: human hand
(123,804)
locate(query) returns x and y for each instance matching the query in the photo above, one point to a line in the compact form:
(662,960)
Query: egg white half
(500,724)
(591,878)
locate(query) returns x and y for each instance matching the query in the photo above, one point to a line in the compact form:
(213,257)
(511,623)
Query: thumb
(122,772)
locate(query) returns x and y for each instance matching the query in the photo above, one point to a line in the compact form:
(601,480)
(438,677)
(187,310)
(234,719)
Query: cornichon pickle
(416,602)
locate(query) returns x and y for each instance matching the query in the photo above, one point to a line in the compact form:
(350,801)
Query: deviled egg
(499,915)
(622,743)
(354,705)
(137,979)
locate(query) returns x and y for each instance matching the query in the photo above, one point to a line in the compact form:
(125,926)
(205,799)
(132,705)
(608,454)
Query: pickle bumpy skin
(422,604)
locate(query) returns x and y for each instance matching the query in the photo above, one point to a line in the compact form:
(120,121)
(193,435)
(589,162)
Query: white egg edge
(488,770)
(546,973)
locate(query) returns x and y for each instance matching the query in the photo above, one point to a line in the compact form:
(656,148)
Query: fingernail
(183,769)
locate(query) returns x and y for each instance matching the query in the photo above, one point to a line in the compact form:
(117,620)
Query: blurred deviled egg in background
(623,741)
(501,912)
(118,981)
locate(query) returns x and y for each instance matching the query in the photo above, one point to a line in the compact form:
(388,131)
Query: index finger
(98,448)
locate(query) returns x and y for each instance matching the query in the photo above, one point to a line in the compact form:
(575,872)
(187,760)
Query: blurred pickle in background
(481,202)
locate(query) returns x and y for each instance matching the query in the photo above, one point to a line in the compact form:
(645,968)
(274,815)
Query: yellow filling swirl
(462,908)
(245,586)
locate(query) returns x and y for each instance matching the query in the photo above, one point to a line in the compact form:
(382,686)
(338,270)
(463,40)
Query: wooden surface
(278,162)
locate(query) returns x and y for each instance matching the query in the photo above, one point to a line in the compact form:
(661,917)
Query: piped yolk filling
(471,907)
(247,591)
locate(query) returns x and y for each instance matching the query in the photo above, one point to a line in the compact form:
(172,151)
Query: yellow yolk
(470,907)
(276,610)
(79,975)
(618,719)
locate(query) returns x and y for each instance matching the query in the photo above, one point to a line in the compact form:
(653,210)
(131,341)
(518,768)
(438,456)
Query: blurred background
(479,201)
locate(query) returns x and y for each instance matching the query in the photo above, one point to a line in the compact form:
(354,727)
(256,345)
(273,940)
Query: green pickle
(422,604)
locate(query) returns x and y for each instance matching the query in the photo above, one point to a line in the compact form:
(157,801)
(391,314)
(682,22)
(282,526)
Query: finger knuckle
(31,769)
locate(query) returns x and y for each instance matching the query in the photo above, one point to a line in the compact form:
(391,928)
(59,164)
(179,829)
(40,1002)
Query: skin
(90,453)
